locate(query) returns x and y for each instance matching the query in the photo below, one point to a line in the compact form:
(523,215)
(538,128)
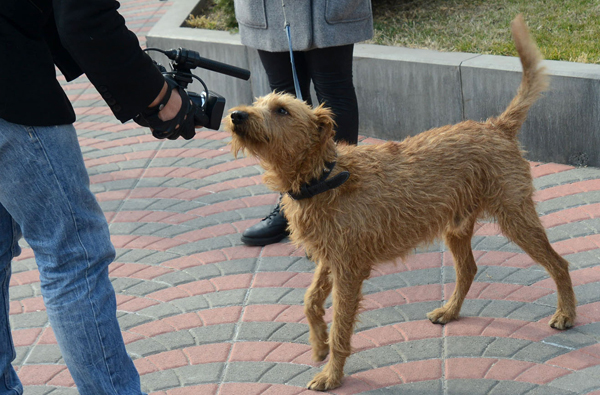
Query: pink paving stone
(593,350)
(144,193)
(578,277)
(39,374)
(384,299)
(168,294)
(503,327)
(130,216)
(142,242)
(223,315)
(236,281)
(352,385)
(467,326)
(416,330)
(150,272)
(111,195)
(123,298)
(203,389)
(208,353)
(520,261)
(153,328)
(47,337)
(137,304)
(33,304)
(119,241)
(165,244)
(169,360)
(261,313)
(15,307)
(494,258)
(241,252)
(26,253)
(184,321)
(251,351)
(282,249)
(379,378)
(207,233)
(361,343)
(287,352)
(243,388)
(126,269)
(144,366)
(575,360)
(578,244)
(383,336)
(22,278)
(489,229)
(590,310)
(507,369)
(529,294)
(199,287)
(63,379)
(296,314)
(424,261)
(534,331)
(468,368)
(129,337)
(25,337)
(421,293)
(542,374)
(299,280)
(271,279)
(280,389)
(416,371)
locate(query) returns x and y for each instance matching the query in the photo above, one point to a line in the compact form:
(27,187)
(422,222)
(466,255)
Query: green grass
(564,29)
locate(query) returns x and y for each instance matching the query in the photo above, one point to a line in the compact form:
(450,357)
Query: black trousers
(330,70)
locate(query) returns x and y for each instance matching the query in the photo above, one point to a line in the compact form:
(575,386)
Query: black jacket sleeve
(95,35)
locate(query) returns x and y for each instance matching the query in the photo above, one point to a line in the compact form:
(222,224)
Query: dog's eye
(282,111)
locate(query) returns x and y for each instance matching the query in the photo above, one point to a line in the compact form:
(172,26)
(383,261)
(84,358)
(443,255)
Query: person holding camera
(44,185)
(323,33)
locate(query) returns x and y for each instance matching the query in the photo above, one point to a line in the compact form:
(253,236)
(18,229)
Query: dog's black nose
(238,117)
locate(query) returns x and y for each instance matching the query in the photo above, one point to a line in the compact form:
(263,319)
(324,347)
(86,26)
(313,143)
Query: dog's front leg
(346,300)
(314,301)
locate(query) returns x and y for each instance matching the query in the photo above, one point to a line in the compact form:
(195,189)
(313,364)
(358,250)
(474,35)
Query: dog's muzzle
(239,117)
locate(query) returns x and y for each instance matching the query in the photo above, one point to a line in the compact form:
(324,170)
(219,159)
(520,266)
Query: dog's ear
(325,122)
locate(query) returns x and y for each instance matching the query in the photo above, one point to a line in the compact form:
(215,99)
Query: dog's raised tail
(533,82)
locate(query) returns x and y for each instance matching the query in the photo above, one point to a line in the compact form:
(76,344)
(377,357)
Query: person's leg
(331,72)
(278,67)
(273,228)
(44,187)
(9,248)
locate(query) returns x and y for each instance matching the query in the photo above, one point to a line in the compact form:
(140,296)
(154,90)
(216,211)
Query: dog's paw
(441,316)
(324,382)
(561,321)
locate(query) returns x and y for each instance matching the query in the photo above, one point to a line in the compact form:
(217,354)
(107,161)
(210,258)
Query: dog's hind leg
(346,301)
(459,242)
(522,225)
(314,300)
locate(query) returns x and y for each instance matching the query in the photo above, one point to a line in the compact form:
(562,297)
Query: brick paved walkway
(203,314)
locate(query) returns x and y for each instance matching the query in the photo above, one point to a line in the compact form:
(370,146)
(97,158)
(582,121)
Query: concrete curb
(403,91)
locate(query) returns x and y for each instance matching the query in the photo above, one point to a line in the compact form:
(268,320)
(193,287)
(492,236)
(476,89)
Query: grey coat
(313,23)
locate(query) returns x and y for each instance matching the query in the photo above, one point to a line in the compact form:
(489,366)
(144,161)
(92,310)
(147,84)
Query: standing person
(44,185)
(323,35)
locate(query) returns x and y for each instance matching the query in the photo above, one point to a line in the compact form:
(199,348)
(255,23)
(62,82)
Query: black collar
(323,184)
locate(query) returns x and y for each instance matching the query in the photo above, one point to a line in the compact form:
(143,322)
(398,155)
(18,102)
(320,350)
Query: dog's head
(285,134)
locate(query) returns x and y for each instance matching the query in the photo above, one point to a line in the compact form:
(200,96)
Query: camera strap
(286,26)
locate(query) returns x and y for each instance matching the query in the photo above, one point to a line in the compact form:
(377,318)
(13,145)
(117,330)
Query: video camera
(209,105)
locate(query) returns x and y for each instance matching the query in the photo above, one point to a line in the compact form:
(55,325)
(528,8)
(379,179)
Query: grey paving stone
(503,387)
(193,303)
(503,347)
(145,347)
(19,292)
(143,287)
(539,352)
(238,266)
(268,295)
(22,353)
(157,257)
(44,354)
(281,373)
(133,255)
(204,271)
(295,296)
(356,363)
(125,228)
(467,346)
(470,387)
(500,308)
(531,312)
(233,297)
(36,319)
(214,333)
(246,371)
(494,274)
(579,382)
(303,378)
(587,293)
(200,374)
(176,340)
(160,380)
(140,228)
(131,320)
(160,311)
(23,266)
(570,339)
(591,330)
(260,331)
(175,278)
(547,390)
(214,243)
(295,333)
(430,387)
(527,276)
(382,317)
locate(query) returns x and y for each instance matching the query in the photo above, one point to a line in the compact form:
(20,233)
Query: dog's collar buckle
(323,184)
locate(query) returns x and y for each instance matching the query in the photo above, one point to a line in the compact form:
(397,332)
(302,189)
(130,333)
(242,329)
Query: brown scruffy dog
(352,207)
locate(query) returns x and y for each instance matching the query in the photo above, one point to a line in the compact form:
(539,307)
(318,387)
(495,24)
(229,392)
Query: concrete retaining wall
(404,91)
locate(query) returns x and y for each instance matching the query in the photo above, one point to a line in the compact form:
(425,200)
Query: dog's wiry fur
(399,195)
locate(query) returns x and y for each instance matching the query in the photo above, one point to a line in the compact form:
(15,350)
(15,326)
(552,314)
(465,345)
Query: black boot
(271,229)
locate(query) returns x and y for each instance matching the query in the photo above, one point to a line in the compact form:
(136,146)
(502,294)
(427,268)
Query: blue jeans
(45,197)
